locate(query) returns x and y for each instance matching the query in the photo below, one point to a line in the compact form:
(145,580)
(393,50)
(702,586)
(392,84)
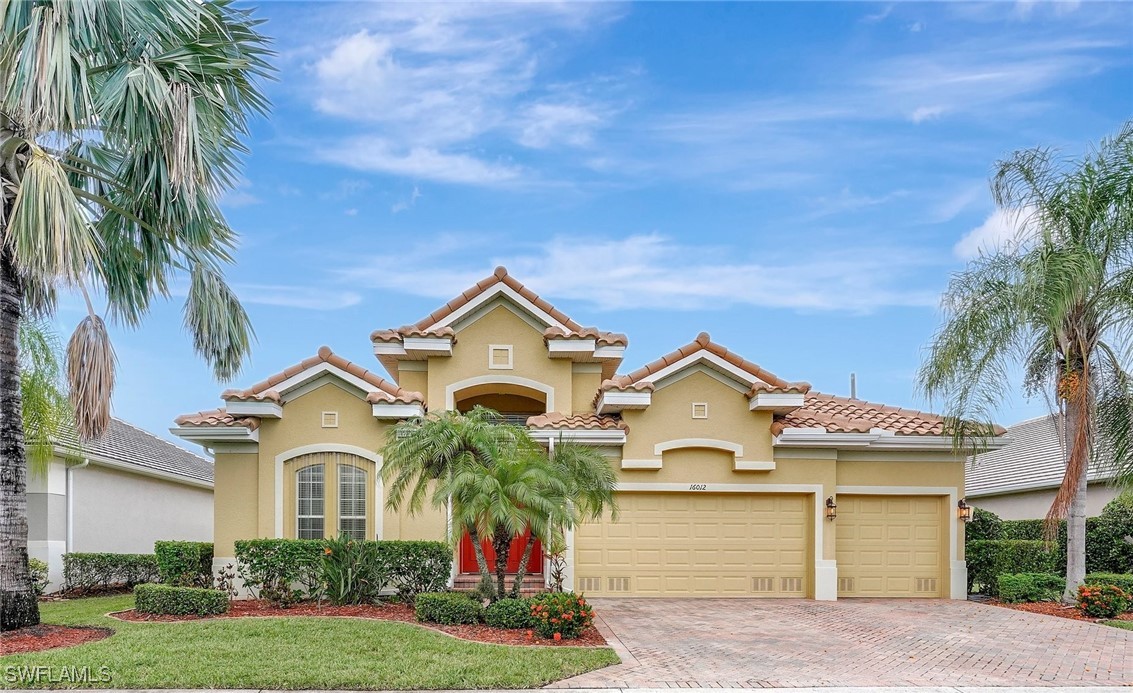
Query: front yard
(290,653)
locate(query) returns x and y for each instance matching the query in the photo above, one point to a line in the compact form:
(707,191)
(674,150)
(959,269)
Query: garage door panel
(698,545)
(889,546)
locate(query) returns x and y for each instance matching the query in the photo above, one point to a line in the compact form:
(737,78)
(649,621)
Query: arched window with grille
(352,486)
(310,504)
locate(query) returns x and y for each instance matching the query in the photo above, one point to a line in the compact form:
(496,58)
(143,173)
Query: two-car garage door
(760,545)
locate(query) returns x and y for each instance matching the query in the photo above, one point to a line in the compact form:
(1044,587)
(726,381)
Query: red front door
(468,555)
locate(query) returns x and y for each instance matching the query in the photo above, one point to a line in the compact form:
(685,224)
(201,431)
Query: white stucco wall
(1033,505)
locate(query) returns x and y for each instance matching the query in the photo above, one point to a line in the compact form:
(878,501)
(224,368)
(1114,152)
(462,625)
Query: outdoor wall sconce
(831,508)
(963,510)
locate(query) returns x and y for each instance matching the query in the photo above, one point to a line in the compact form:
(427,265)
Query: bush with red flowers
(1102,601)
(560,615)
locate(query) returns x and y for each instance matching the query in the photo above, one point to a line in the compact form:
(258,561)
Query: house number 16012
(697,487)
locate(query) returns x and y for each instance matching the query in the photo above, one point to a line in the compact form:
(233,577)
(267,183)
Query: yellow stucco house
(732,481)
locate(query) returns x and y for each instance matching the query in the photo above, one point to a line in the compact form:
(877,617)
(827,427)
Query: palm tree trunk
(478,550)
(1078,427)
(501,543)
(18,606)
(521,571)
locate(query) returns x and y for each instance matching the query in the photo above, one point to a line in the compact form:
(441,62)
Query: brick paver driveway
(678,643)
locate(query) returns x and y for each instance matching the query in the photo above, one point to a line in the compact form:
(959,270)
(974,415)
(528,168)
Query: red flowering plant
(1102,601)
(565,614)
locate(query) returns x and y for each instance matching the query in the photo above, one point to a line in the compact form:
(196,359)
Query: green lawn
(1127,625)
(294,653)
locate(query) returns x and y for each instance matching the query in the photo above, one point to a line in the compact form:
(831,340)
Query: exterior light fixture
(831,508)
(963,510)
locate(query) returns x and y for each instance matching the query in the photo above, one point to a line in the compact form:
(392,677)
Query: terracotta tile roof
(500,276)
(617,384)
(389,392)
(600,337)
(791,389)
(703,342)
(409,331)
(217,417)
(585,421)
(845,415)
(248,396)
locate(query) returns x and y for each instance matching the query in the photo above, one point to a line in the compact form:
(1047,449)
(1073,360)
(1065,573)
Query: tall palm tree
(1058,301)
(120,125)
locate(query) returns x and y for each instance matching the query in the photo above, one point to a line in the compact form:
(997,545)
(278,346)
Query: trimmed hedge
(448,608)
(509,613)
(286,570)
(184,563)
(988,559)
(984,525)
(94,570)
(179,601)
(1031,587)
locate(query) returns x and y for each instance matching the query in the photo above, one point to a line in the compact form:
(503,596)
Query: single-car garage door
(889,546)
(698,544)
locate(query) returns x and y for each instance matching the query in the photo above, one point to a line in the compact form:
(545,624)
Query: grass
(1127,625)
(294,653)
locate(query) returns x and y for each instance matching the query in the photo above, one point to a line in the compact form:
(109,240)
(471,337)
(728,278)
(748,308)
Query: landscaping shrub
(1031,587)
(282,571)
(448,608)
(1122,580)
(1102,601)
(352,571)
(39,577)
(509,613)
(1106,548)
(988,559)
(184,563)
(565,613)
(179,601)
(984,525)
(416,567)
(86,571)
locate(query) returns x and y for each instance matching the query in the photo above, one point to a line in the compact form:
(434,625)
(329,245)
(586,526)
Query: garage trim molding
(825,570)
(957,570)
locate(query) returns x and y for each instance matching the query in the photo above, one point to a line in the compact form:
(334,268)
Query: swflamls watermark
(46,674)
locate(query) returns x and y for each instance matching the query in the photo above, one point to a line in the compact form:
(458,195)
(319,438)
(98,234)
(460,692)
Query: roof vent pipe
(853,386)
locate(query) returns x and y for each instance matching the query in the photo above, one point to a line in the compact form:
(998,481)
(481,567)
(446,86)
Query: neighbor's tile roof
(703,342)
(387,391)
(583,421)
(1033,459)
(217,417)
(500,276)
(845,415)
(126,443)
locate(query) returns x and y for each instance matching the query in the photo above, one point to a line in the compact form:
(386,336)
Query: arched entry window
(328,494)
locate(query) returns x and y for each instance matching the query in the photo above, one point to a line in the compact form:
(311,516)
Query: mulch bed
(382,612)
(48,637)
(1056,609)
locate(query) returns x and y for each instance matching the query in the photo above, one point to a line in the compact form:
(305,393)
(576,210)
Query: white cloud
(1002,230)
(351,212)
(654,271)
(380,156)
(407,203)
(924,113)
(879,15)
(346,188)
(290,296)
(240,195)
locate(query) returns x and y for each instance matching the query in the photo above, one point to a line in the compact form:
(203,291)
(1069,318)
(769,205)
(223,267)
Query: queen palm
(120,124)
(1058,302)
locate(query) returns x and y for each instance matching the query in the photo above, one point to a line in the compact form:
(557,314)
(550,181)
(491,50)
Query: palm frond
(90,376)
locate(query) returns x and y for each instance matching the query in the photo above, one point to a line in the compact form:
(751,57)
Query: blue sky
(797,179)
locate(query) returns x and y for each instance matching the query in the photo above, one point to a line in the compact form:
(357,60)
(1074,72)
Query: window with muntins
(309,485)
(352,501)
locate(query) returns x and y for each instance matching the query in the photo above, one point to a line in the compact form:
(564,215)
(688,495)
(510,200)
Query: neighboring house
(120,494)
(725,470)
(1019,481)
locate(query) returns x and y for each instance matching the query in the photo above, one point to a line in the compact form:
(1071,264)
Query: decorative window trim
(703,406)
(492,349)
(329,419)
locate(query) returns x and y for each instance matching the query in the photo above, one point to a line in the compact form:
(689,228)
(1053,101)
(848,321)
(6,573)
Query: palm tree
(44,408)
(120,125)
(1058,301)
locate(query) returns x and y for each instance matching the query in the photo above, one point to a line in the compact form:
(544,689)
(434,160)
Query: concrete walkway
(754,643)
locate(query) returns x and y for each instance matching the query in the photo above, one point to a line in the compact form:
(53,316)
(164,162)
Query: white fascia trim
(775,401)
(702,355)
(262,409)
(825,570)
(502,379)
(599,437)
(956,567)
(497,290)
(388,349)
(617,401)
(437,346)
(641,464)
(235,448)
(877,438)
(397,411)
(317,370)
(565,348)
(753,466)
(734,448)
(282,457)
(610,351)
(206,434)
